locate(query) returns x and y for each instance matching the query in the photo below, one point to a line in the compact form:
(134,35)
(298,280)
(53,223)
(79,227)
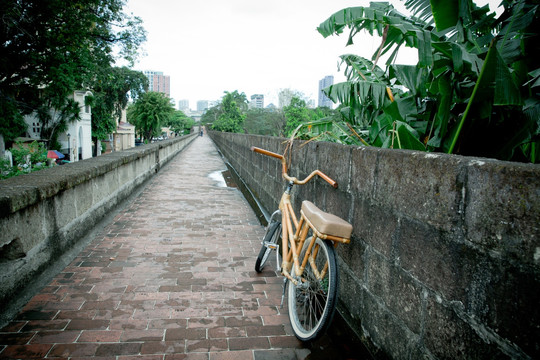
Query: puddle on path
(223,178)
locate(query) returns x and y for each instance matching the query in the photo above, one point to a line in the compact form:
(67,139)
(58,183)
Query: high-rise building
(202,105)
(324,101)
(158,82)
(183,105)
(257,101)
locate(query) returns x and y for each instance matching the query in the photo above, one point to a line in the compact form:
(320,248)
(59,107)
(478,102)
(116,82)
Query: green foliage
(112,88)
(211,115)
(54,121)
(26,158)
(149,113)
(296,113)
(231,117)
(12,124)
(474,90)
(179,123)
(268,122)
(51,48)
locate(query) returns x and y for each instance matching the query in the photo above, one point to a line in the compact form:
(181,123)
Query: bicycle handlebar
(325,177)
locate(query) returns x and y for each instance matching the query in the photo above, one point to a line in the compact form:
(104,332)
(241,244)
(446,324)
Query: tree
(285,96)
(149,113)
(211,115)
(264,122)
(474,90)
(51,48)
(231,117)
(112,89)
(296,113)
(12,124)
(241,100)
(179,123)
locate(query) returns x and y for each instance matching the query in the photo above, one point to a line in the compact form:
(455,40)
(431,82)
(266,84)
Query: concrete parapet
(43,214)
(444,261)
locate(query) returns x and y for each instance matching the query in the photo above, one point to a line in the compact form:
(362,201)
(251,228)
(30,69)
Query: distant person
(201,133)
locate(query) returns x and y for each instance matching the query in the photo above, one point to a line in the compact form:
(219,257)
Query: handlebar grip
(326,178)
(266,152)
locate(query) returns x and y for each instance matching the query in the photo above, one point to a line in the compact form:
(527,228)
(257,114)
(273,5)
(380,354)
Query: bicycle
(308,264)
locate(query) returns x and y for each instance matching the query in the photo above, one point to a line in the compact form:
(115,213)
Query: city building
(124,137)
(76,141)
(324,101)
(158,82)
(183,105)
(257,101)
(202,105)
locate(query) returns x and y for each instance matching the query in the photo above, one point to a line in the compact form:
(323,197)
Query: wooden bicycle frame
(294,232)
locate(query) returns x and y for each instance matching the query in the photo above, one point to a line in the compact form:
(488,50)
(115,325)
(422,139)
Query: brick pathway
(170,278)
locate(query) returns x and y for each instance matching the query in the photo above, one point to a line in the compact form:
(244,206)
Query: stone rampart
(445,257)
(45,213)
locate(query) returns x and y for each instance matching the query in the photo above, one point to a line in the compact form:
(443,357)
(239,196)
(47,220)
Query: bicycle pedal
(272,246)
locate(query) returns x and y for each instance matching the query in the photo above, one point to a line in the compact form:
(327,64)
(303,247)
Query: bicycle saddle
(326,223)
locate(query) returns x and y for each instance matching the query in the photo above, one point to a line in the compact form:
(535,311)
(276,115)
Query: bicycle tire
(313,303)
(273,233)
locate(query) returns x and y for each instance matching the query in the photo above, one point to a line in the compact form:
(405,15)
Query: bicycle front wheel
(273,233)
(312,302)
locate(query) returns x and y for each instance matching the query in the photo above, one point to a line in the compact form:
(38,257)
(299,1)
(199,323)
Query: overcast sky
(253,46)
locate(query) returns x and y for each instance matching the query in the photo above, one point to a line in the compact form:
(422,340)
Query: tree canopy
(51,48)
(231,113)
(149,113)
(179,123)
(112,89)
(474,90)
(264,122)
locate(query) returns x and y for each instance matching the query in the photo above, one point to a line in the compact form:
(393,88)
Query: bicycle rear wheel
(273,233)
(312,302)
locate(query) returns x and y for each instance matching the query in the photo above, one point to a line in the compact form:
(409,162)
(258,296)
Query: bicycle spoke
(312,301)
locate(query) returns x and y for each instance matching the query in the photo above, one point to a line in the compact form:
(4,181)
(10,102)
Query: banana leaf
(377,18)
(404,137)
(358,68)
(358,93)
(445,13)
(328,129)
(412,77)
(495,86)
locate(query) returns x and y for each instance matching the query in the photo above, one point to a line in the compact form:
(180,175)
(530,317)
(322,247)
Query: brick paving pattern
(170,278)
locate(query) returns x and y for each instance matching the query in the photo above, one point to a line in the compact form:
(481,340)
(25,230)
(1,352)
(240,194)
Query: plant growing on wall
(26,158)
(474,90)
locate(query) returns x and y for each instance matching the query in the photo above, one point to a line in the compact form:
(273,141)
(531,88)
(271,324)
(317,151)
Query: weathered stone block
(363,172)
(351,296)
(385,280)
(502,211)
(448,336)
(374,225)
(353,255)
(339,203)
(415,184)
(511,296)
(435,260)
(386,330)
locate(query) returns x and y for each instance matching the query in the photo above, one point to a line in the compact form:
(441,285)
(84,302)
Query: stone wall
(45,213)
(445,257)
